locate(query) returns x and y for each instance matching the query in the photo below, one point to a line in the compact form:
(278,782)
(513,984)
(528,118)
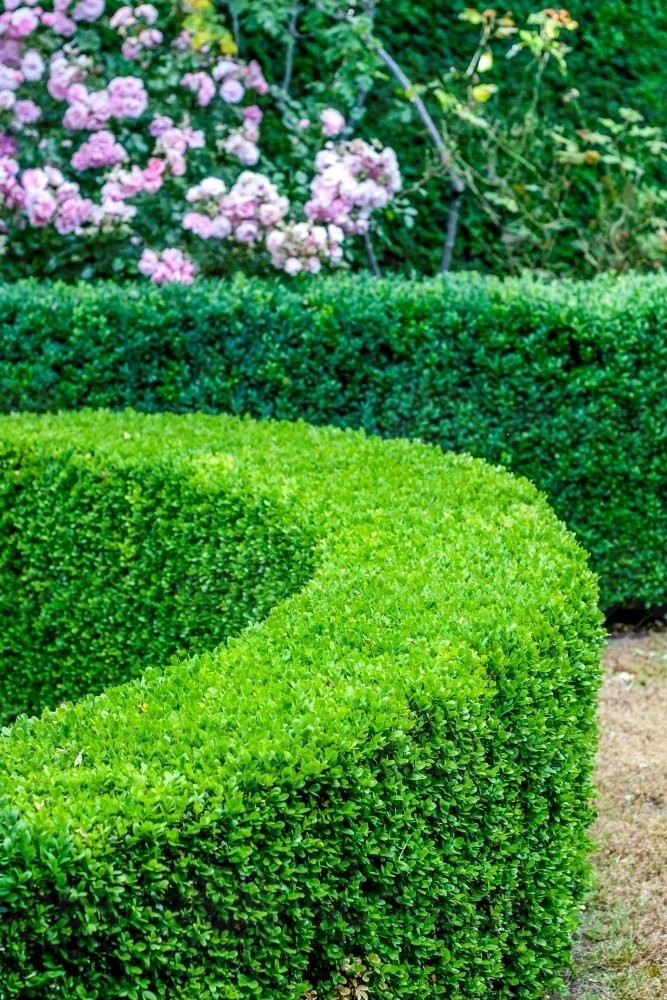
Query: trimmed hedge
(563,383)
(392,769)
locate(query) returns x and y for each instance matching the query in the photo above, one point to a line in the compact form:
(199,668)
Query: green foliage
(556,197)
(382,787)
(616,60)
(105,568)
(562,382)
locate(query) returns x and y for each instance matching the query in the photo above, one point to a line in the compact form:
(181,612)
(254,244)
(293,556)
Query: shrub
(383,786)
(563,383)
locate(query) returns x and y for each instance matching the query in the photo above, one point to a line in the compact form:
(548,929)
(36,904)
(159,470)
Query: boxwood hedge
(383,785)
(564,383)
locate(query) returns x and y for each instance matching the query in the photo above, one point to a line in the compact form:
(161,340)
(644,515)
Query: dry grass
(622,950)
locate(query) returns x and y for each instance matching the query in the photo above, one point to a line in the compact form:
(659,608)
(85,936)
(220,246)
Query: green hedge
(565,383)
(391,770)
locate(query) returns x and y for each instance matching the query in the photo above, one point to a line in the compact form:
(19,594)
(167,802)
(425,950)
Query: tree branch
(291,46)
(236,26)
(445,155)
(370,253)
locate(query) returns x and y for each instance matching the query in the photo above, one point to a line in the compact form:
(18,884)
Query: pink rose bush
(92,150)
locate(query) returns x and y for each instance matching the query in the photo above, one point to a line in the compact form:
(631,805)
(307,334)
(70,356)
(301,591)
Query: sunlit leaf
(471,15)
(485,62)
(484,92)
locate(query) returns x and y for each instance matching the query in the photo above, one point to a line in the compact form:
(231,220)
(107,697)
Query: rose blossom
(8,145)
(225,68)
(232,91)
(32,65)
(101,150)
(88,10)
(122,17)
(147,11)
(128,97)
(7,99)
(200,84)
(24,21)
(10,79)
(255,78)
(150,38)
(59,23)
(160,124)
(332,122)
(27,112)
(253,114)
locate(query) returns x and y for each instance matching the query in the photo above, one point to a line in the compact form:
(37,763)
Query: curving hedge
(391,770)
(565,383)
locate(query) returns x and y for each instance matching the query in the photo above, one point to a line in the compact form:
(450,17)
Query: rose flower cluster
(85,148)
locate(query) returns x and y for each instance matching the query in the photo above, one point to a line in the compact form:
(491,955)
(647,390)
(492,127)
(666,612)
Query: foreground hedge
(391,770)
(563,383)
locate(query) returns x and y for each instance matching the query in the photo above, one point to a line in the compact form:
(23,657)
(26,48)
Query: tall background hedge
(565,383)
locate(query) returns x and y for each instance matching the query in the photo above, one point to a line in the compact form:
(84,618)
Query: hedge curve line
(383,783)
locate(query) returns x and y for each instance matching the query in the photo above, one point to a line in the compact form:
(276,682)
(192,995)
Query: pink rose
(32,65)
(275,241)
(72,213)
(232,91)
(147,11)
(8,146)
(225,68)
(10,79)
(40,206)
(24,21)
(150,38)
(332,122)
(27,112)
(152,175)
(88,10)
(255,79)
(253,114)
(60,24)
(7,99)
(247,232)
(131,48)
(122,18)
(198,224)
(75,117)
(148,262)
(10,51)
(292,266)
(128,97)
(159,125)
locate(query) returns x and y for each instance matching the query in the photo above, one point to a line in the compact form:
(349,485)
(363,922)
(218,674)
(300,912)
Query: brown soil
(622,951)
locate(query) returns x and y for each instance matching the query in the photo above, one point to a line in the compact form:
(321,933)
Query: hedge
(383,784)
(565,383)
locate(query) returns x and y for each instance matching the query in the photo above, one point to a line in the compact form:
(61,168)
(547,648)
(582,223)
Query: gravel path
(622,953)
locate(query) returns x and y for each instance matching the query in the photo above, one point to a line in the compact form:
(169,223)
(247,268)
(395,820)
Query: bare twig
(450,239)
(370,253)
(236,26)
(291,46)
(457,182)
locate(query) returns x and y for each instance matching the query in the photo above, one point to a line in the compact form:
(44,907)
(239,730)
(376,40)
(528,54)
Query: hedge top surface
(444,589)
(407,538)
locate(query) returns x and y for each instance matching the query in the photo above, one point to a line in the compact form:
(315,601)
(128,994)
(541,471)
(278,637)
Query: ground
(621,953)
